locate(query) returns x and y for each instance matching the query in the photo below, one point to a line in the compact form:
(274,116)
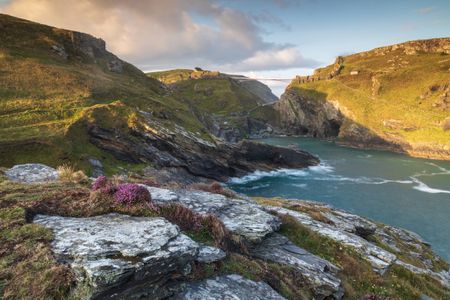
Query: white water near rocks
(395,189)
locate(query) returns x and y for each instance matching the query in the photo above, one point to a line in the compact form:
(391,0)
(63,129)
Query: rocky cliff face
(393,98)
(301,115)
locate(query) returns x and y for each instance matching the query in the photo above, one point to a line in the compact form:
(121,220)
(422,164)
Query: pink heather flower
(130,193)
(100,182)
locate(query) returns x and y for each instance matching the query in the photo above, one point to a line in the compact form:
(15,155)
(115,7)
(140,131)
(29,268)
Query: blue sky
(262,38)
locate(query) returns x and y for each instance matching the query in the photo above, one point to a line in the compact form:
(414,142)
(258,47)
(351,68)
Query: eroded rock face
(32,173)
(379,258)
(321,274)
(242,218)
(120,257)
(228,287)
(352,230)
(300,115)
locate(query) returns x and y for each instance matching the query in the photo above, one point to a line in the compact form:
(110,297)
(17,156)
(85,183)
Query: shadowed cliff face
(395,98)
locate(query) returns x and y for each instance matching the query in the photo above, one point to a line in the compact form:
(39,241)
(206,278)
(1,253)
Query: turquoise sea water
(391,188)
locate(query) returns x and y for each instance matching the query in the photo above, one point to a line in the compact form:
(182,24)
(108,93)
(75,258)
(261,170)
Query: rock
(97,167)
(115,65)
(162,196)
(121,257)
(320,274)
(32,173)
(177,148)
(208,254)
(60,50)
(228,287)
(379,258)
(243,219)
(351,223)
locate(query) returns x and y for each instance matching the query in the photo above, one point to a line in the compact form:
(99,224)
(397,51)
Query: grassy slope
(43,96)
(211,93)
(403,78)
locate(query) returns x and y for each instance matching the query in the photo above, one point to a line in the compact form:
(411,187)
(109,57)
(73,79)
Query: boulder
(32,173)
(320,274)
(97,167)
(208,254)
(228,287)
(117,256)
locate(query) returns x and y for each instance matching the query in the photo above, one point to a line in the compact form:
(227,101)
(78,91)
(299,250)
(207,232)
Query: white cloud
(157,34)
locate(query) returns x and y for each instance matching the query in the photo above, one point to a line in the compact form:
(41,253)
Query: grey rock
(351,223)
(246,220)
(162,196)
(97,167)
(321,274)
(208,254)
(118,256)
(379,258)
(229,287)
(32,173)
(60,50)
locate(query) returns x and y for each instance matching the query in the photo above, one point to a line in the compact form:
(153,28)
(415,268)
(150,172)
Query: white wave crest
(421,186)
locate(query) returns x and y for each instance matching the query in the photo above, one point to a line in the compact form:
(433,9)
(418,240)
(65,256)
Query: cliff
(65,99)
(394,98)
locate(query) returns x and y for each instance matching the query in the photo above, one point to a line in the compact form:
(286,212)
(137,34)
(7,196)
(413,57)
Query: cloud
(425,10)
(276,59)
(156,34)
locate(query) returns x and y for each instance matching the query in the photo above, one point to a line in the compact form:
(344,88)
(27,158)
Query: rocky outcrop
(121,257)
(354,231)
(228,287)
(247,221)
(440,45)
(179,148)
(301,115)
(32,173)
(321,274)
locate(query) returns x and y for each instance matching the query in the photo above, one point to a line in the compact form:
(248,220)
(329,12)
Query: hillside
(226,104)
(395,97)
(66,99)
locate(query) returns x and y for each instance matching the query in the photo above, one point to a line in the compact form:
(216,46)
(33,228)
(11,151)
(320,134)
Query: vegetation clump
(214,187)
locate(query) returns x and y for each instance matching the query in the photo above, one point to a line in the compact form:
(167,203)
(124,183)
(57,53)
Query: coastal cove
(398,190)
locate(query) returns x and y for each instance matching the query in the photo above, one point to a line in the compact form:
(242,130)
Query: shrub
(182,216)
(67,173)
(104,185)
(99,183)
(130,193)
(215,188)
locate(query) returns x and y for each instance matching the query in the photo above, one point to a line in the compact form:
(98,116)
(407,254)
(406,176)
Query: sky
(257,38)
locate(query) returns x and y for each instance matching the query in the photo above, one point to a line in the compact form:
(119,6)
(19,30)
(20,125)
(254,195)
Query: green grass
(403,80)
(45,99)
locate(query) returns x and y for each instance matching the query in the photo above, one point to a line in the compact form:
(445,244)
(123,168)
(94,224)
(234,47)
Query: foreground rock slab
(228,287)
(32,173)
(379,258)
(321,274)
(120,257)
(244,219)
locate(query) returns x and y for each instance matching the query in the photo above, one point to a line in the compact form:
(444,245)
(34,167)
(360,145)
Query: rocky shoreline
(129,253)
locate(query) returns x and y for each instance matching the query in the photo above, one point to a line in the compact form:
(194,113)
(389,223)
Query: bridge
(242,78)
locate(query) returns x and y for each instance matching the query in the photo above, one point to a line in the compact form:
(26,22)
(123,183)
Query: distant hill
(228,105)
(395,97)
